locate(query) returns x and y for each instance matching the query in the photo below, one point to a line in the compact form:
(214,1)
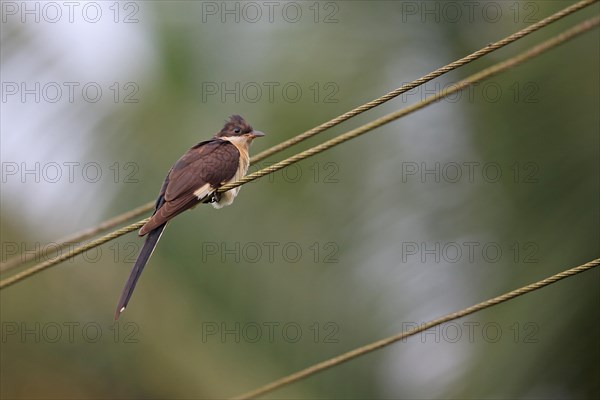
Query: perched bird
(194,179)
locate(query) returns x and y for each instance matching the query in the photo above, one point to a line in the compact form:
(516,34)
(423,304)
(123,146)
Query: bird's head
(237,128)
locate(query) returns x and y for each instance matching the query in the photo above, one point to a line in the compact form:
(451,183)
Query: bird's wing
(200,171)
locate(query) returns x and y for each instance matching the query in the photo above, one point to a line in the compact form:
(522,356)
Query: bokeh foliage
(351,211)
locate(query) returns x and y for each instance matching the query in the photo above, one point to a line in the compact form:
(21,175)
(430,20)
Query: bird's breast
(244,162)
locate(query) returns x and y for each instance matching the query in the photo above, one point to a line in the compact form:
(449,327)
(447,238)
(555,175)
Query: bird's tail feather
(149,245)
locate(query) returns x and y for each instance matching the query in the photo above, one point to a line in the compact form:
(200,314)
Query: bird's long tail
(149,245)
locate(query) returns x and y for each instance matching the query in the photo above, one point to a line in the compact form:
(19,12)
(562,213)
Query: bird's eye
(237,130)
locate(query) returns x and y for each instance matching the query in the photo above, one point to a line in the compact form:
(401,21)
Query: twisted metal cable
(424,79)
(111,223)
(76,237)
(342,358)
(493,70)
(78,250)
(486,73)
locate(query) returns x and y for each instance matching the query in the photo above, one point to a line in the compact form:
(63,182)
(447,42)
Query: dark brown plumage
(193,179)
(214,162)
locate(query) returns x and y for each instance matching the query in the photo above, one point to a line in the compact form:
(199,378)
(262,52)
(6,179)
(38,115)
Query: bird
(193,179)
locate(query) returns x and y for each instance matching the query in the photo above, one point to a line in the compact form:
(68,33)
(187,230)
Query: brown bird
(194,179)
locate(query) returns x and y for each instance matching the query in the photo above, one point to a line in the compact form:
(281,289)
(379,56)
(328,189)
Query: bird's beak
(256,134)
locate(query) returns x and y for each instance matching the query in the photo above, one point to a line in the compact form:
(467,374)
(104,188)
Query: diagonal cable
(486,73)
(109,224)
(424,79)
(75,238)
(78,250)
(405,334)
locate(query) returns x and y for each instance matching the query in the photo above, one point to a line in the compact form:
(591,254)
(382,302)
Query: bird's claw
(214,197)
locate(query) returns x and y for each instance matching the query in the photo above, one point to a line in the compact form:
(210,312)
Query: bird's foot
(214,197)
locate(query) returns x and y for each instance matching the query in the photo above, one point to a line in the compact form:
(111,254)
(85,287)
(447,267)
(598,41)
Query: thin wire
(486,73)
(78,250)
(76,238)
(342,358)
(495,69)
(424,79)
(19,260)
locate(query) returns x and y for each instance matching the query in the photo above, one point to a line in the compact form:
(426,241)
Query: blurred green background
(344,248)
